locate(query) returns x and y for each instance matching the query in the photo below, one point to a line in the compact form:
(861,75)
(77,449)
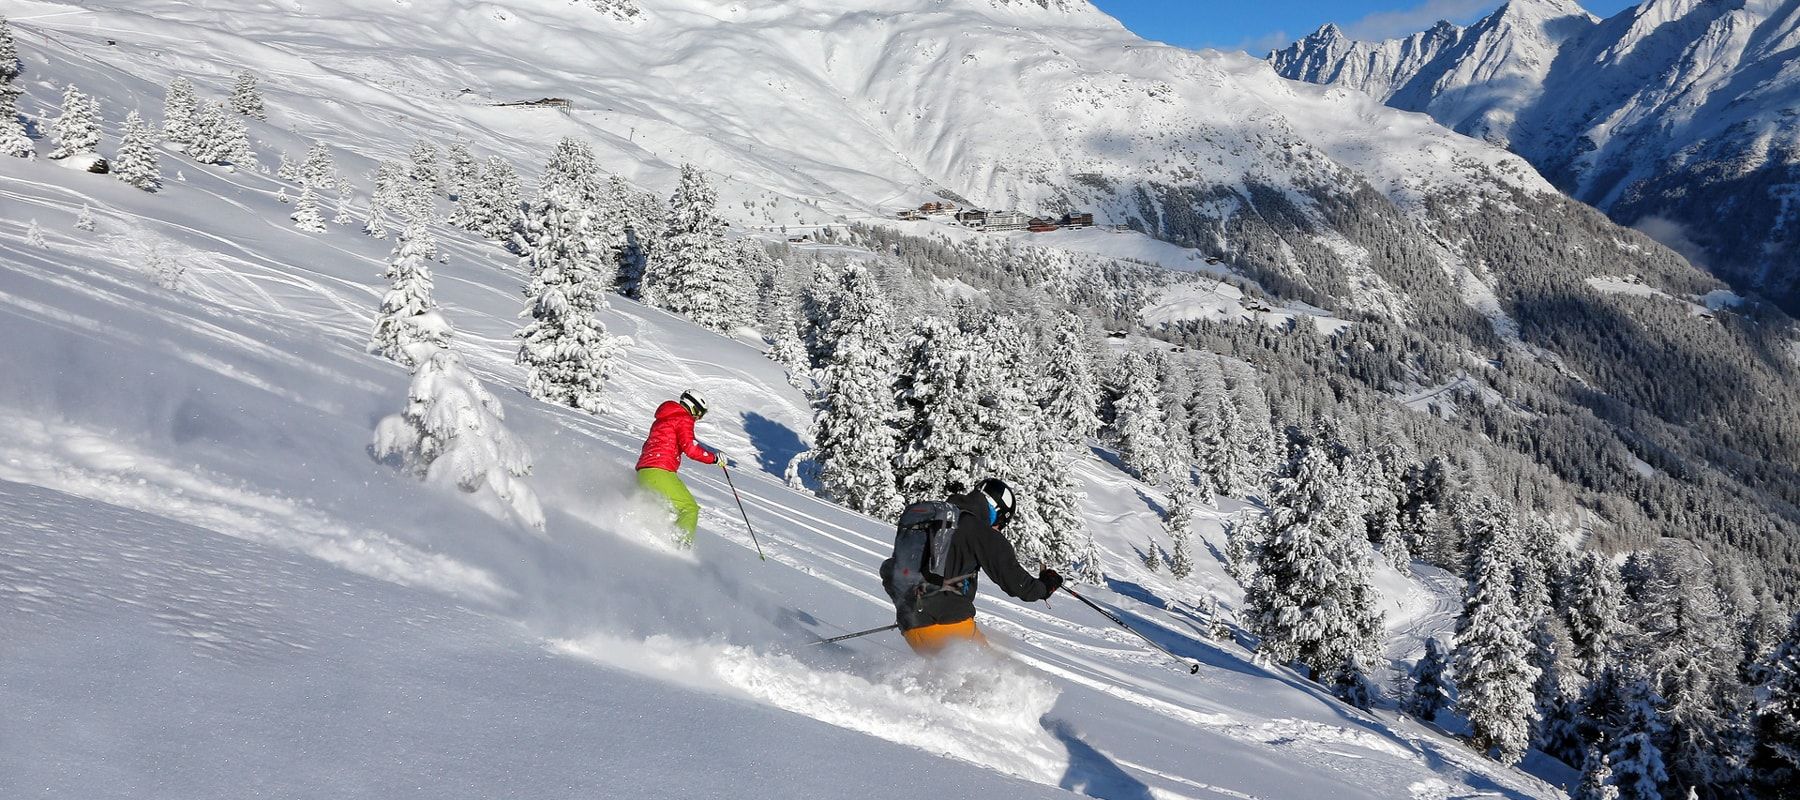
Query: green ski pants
(669,485)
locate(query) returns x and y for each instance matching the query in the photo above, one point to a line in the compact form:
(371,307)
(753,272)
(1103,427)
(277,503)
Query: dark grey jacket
(976,547)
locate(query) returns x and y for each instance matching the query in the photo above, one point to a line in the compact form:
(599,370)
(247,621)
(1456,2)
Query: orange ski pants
(931,639)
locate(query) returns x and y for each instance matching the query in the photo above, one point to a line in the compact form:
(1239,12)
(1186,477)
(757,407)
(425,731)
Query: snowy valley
(288,513)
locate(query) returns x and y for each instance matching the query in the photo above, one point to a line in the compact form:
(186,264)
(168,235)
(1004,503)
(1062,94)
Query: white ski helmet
(694,402)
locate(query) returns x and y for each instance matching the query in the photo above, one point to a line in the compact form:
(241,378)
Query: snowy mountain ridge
(1671,111)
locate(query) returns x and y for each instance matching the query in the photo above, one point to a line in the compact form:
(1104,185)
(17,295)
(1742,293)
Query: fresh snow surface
(208,588)
(1631,285)
(1218,301)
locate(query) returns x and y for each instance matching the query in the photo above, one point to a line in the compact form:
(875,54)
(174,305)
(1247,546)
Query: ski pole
(740,502)
(856,634)
(1193,668)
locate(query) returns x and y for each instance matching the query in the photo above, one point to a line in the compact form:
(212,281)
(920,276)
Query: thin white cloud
(1260,46)
(1408,21)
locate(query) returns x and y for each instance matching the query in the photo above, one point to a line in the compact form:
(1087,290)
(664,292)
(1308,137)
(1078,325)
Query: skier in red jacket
(671,436)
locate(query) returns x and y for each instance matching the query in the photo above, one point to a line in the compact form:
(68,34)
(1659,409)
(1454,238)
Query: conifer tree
(1592,611)
(221,138)
(306,214)
(1177,527)
(567,353)
(1142,435)
(453,432)
(317,170)
(1225,454)
(10,66)
(1152,556)
(645,224)
(1596,778)
(853,439)
(1637,763)
(14,141)
(1555,729)
(135,163)
(492,208)
(691,274)
(786,346)
(1494,676)
(77,130)
(425,172)
(285,168)
(1427,694)
(246,98)
(408,299)
(1071,396)
(461,172)
(1216,625)
(181,114)
(85,220)
(1310,598)
(1775,760)
(940,411)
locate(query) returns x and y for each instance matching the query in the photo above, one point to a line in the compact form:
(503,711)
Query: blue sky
(1261,25)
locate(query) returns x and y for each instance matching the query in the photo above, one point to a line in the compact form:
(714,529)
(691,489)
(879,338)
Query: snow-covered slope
(210,589)
(1673,109)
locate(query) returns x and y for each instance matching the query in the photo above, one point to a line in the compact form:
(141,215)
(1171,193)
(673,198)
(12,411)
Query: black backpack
(922,553)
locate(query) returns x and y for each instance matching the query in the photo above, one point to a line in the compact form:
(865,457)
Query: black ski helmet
(694,402)
(1000,496)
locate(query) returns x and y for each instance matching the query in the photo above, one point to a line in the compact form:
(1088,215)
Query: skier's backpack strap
(922,551)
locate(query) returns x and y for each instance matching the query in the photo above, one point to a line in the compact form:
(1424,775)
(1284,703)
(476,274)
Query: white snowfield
(208,588)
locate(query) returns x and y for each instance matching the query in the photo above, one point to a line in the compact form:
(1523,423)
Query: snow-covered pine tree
(408,298)
(1152,556)
(645,223)
(246,98)
(492,210)
(566,351)
(692,272)
(135,163)
(1426,691)
(1637,763)
(1310,598)
(10,66)
(1596,778)
(1775,759)
(940,409)
(853,440)
(388,196)
(453,432)
(77,130)
(1217,626)
(1071,394)
(425,171)
(221,138)
(343,210)
(461,171)
(1139,422)
(14,141)
(34,236)
(285,169)
(181,114)
(281,196)
(317,170)
(1173,388)
(1557,693)
(786,347)
(1591,611)
(306,214)
(1381,504)
(1494,675)
(1177,528)
(85,220)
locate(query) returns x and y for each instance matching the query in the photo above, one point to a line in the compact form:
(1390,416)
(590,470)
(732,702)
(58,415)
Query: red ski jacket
(671,435)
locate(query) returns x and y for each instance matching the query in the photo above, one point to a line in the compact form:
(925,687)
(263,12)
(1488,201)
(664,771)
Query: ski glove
(1050,579)
(723,460)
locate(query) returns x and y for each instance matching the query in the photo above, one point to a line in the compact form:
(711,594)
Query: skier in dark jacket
(976,546)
